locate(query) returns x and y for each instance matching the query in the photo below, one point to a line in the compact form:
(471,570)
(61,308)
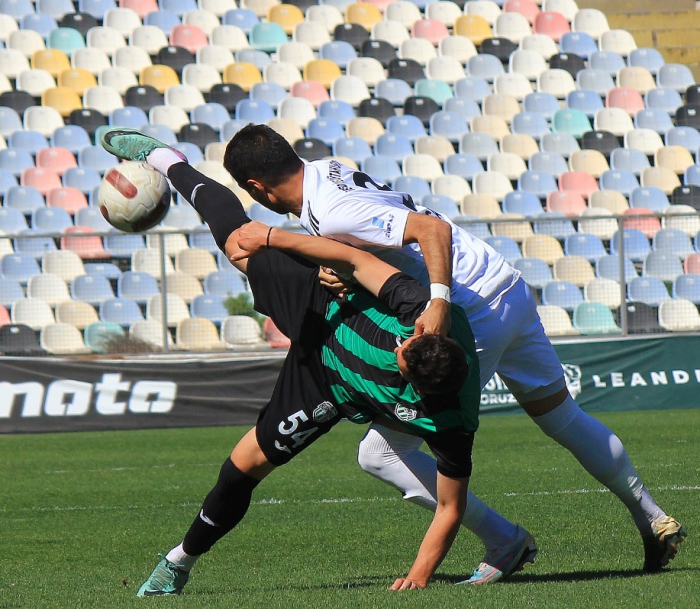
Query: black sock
(223,508)
(220,208)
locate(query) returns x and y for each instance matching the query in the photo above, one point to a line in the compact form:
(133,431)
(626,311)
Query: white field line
(272,501)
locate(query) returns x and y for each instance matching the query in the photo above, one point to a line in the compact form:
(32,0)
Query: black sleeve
(453,451)
(406,297)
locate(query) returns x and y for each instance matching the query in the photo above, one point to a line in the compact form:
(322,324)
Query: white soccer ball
(134,197)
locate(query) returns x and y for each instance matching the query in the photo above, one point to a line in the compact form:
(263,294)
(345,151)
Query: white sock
(179,557)
(602,455)
(161,159)
(396,458)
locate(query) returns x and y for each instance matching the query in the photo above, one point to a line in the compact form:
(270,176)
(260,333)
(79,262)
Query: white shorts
(510,340)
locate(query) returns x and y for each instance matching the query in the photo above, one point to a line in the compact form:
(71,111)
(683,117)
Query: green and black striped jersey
(364,375)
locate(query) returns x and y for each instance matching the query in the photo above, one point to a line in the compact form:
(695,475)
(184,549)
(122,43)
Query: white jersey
(348,206)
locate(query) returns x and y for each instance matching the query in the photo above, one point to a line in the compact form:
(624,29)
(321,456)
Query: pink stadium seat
(566,202)
(578,181)
(141,7)
(527,8)
(312,90)
(188,36)
(274,336)
(627,99)
(55,159)
(41,179)
(88,248)
(66,197)
(430,29)
(4,316)
(552,24)
(691,265)
(649,226)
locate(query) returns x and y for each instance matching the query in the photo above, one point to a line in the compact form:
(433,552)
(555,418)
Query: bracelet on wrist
(267,242)
(440,290)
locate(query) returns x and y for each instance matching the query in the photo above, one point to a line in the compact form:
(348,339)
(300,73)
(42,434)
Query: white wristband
(440,290)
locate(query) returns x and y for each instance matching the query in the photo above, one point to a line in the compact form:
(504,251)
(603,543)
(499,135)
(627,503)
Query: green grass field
(82,517)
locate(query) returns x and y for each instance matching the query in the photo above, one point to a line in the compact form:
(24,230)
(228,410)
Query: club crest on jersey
(378,222)
(404,413)
(325,411)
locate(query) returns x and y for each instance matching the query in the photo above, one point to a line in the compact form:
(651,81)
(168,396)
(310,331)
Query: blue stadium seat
(585,100)
(212,114)
(258,58)
(223,283)
(10,291)
(472,87)
(120,311)
(15,160)
(203,241)
(353,148)
(524,203)
(555,224)
(562,143)
(183,217)
(636,244)
(260,213)
(394,146)
(336,109)
(530,123)
(82,178)
(381,168)
(137,286)
(253,111)
(649,197)
(620,180)
(541,103)
(339,52)
(483,66)
(16,8)
(270,92)
(505,246)
(12,220)
(451,125)
(240,17)
(691,176)
(466,108)
(608,267)
(91,288)
(10,121)
(649,290)
(50,219)
(72,137)
(480,145)
(179,7)
(578,43)
(688,137)
(441,204)
(407,125)
(92,218)
(31,141)
(122,245)
(191,151)
(563,294)
(540,183)
(587,246)
(24,198)
(160,132)
(97,158)
(660,98)
(535,272)
(34,246)
(662,264)
(552,163)
(629,159)
(646,57)
(412,185)
(108,269)
(39,22)
(209,306)
(609,61)
(654,119)
(230,128)
(463,165)
(327,130)
(128,116)
(393,89)
(685,286)
(19,267)
(96,8)
(598,81)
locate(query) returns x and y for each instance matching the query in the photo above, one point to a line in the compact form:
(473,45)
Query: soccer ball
(134,197)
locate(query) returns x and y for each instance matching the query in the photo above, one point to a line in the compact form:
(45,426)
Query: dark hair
(436,364)
(258,152)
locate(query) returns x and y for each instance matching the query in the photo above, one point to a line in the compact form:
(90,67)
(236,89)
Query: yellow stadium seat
(363,13)
(324,71)
(243,74)
(76,80)
(159,76)
(474,27)
(62,99)
(51,60)
(286,15)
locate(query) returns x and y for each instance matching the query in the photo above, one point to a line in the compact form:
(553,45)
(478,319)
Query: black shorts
(301,409)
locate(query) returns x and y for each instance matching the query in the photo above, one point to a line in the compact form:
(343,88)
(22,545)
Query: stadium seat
(32,312)
(608,267)
(535,272)
(664,265)
(603,291)
(242,332)
(593,318)
(556,321)
(562,294)
(584,245)
(649,290)
(176,309)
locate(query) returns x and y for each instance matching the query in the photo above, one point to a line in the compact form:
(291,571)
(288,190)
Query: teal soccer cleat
(167,579)
(132,145)
(499,563)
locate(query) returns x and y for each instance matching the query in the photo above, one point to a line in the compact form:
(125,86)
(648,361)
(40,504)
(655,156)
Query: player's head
(262,162)
(433,364)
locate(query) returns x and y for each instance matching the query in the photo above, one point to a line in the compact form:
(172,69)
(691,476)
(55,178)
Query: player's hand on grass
(251,238)
(338,286)
(435,319)
(402,583)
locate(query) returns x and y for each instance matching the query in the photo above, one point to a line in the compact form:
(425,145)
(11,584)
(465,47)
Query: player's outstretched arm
(434,236)
(451,505)
(363,267)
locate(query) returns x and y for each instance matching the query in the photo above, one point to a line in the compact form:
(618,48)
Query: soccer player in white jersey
(335,201)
